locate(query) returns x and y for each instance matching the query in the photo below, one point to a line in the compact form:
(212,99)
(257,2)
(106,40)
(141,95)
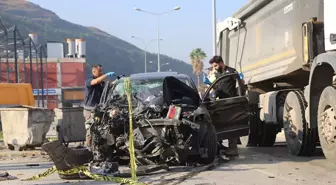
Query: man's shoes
(222,147)
(231,152)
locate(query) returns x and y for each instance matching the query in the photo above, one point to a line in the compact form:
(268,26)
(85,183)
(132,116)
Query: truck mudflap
(321,76)
(271,105)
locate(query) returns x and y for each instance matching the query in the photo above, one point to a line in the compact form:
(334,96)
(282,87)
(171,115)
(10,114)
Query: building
(62,73)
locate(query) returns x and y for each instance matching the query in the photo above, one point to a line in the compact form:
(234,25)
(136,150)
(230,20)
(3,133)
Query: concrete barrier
(15,94)
(24,126)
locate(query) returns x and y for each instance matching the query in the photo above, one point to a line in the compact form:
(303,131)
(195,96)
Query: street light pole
(214,34)
(158,27)
(146,59)
(145,49)
(158,41)
(160,65)
(165,64)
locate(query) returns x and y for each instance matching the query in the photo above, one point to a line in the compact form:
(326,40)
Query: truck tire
(210,143)
(254,121)
(301,141)
(268,134)
(327,122)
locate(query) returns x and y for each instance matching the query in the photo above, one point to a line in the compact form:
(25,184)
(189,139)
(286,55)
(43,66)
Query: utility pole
(31,62)
(158,41)
(41,75)
(145,48)
(15,57)
(214,28)
(158,27)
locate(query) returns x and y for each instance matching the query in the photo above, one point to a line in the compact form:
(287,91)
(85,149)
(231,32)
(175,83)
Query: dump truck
(286,50)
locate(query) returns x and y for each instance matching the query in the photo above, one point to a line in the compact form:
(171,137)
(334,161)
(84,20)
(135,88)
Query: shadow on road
(82,182)
(280,150)
(277,154)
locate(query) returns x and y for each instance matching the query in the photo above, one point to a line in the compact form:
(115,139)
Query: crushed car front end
(169,125)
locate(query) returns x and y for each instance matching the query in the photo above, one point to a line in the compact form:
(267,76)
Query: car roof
(157,75)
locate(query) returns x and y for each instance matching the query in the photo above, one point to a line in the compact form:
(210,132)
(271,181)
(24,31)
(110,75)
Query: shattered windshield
(143,89)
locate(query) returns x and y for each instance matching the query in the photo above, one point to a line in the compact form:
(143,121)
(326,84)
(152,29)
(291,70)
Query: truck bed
(269,44)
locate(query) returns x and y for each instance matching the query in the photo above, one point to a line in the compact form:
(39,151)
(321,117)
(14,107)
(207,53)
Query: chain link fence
(23,61)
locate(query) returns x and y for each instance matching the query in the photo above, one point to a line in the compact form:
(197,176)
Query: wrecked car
(172,124)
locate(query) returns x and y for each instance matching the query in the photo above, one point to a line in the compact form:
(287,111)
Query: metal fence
(20,52)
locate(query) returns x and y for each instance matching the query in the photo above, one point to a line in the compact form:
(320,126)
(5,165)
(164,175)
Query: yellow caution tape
(128,92)
(85,170)
(42,175)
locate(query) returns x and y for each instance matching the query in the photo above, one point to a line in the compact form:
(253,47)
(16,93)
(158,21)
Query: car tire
(209,142)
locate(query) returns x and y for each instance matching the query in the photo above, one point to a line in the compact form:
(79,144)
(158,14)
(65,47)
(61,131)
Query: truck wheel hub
(328,125)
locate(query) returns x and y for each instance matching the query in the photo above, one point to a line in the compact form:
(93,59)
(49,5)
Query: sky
(181,31)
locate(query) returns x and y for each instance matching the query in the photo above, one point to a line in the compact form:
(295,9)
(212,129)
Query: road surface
(254,166)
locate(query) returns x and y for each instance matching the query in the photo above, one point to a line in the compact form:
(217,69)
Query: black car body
(229,115)
(193,134)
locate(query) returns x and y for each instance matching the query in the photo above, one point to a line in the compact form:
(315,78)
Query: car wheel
(209,145)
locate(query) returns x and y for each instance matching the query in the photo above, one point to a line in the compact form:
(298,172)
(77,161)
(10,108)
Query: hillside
(113,53)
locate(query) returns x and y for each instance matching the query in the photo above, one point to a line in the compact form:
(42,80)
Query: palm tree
(196,57)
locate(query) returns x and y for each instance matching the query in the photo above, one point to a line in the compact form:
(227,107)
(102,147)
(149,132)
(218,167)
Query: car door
(229,115)
(109,86)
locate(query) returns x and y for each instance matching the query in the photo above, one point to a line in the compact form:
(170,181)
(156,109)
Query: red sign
(172,112)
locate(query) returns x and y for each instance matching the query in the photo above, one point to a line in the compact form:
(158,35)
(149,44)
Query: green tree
(196,57)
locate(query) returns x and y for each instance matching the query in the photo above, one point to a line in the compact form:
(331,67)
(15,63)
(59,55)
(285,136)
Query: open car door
(176,91)
(109,86)
(230,116)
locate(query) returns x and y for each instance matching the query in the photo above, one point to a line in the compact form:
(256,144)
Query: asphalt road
(269,166)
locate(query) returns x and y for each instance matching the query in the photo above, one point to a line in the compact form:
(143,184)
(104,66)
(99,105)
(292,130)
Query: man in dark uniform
(224,89)
(94,86)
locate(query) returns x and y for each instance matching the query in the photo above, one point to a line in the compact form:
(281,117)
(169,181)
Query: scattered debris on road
(5,176)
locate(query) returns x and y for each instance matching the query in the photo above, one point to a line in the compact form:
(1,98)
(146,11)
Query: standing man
(94,86)
(228,89)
